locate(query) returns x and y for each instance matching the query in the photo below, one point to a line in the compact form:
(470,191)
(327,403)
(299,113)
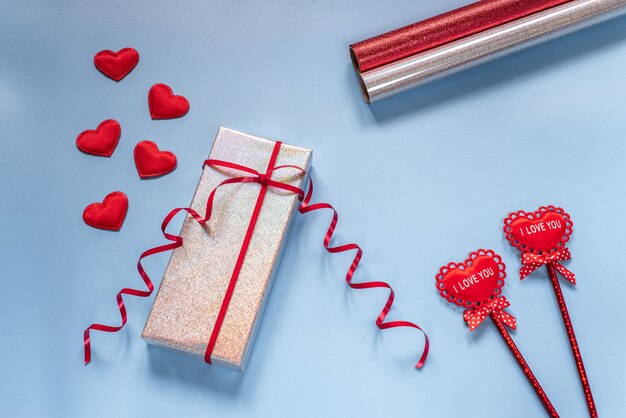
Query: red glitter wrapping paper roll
(442,29)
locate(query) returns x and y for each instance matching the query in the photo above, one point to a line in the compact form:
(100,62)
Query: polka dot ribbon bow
(532,261)
(475,317)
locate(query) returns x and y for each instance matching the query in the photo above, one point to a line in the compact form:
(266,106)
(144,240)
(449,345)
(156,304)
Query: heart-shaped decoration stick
(541,236)
(102,140)
(164,104)
(151,162)
(474,281)
(116,65)
(545,230)
(109,214)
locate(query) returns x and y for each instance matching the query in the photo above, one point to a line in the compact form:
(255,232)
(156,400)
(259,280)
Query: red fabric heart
(151,162)
(101,141)
(164,104)
(545,230)
(116,65)
(473,281)
(109,214)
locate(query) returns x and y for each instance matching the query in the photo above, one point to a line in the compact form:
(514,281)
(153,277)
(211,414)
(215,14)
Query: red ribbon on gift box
(266,182)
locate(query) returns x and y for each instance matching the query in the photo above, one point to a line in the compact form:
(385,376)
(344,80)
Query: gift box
(200,299)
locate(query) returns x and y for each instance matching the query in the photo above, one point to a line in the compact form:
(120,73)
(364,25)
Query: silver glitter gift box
(195,282)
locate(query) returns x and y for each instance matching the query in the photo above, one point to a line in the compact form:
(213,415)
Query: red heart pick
(474,281)
(151,162)
(164,104)
(101,141)
(109,214)
(116,65)
(546,230)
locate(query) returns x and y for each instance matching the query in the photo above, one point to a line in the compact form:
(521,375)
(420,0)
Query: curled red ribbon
(265,181)
(474,317)
(532,261)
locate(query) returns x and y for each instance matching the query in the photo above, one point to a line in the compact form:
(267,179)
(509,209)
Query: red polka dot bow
(474,317)
(532,261)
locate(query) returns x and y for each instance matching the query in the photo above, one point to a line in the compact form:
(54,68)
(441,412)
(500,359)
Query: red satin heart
(545,230)
(164,104)
(474,281)
(101,141)
(151,162)
(116,65)
(109,214)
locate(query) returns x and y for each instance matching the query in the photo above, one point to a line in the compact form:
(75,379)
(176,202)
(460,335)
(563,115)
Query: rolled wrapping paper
(442,29)
(468,52)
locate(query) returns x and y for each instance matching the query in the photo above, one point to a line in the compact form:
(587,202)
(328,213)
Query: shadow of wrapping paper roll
(462,54)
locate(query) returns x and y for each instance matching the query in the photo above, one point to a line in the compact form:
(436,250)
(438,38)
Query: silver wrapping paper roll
(465,53)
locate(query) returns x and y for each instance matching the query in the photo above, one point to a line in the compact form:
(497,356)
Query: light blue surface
(419,180)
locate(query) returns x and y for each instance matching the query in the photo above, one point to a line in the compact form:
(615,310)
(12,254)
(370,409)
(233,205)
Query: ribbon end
(87,347)
(422,360)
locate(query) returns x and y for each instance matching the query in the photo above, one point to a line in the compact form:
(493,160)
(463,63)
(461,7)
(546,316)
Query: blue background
(419,180)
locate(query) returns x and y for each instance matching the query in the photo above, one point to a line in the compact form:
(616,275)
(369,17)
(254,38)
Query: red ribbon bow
(532,261)
(266,181)
(475,317)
